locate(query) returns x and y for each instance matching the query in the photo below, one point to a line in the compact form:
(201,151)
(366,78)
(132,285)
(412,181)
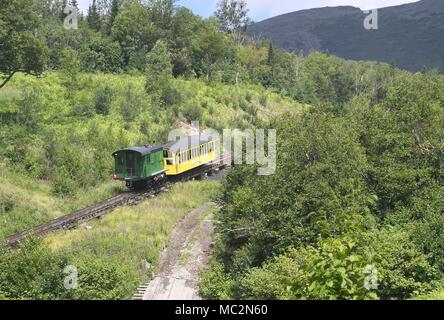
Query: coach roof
(142,150)
(188,143)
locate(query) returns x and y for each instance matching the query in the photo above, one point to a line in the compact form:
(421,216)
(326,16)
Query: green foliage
(100,280)
(22,49)
(133,30)
(403,269)
(70,64)
(270,282)
(192,111)
(232,15)
(129,108)
(102,54)
(215,283)
(359,177)
(334,270)
(6,203)
(306,202)
(63,184)
(367,168)
(159,71)
(326,80)
(103,99)
(93,17)
(32,272)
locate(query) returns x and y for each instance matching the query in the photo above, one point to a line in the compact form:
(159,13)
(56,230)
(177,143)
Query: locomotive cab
(139,165)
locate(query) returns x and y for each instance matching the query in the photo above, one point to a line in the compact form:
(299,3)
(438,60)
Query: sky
(263,9)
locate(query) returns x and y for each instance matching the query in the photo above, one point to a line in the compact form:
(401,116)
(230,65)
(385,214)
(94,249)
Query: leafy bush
(33,272)
(370,167)
(403,269)
(192,112)
(6,203)
(103,99)
(334,270)
(63,185)
(100,279)
(215,283)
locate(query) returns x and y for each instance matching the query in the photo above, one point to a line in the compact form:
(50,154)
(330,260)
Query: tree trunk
(7,79)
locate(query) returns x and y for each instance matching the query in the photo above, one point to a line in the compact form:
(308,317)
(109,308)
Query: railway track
(100,209)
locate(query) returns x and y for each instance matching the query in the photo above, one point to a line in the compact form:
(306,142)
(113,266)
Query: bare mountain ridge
(410,35)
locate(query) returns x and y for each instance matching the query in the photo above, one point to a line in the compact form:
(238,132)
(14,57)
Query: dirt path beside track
(182,261)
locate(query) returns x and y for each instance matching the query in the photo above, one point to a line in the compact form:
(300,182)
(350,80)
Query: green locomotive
(139,166)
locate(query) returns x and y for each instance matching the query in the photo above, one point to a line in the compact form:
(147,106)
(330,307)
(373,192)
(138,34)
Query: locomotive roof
(188,142)
(143,150)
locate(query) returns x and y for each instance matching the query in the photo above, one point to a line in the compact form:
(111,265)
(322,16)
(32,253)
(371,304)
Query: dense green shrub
(371,168)
(192,111)
(33,272)
(404,270)
(334,270)
(6,203)
(102,55)
(215,283)
(63,185)
(103,99)
(101,279)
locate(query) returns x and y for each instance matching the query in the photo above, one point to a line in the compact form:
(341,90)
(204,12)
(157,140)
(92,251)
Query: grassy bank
(57,136)
(128,242)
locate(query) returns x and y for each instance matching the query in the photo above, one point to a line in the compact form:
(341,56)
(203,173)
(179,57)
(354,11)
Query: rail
(125,199)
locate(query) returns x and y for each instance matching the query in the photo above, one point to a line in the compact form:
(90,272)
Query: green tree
(101,54)
(162,13)
(114,11)
(159,70)
(129,108)
(270,56)
(93,18)
(70,64)
(333,271)
(232,16)
(184,41)
(213,46)
(33,272)
(23,49)
(134,30)
(103,99)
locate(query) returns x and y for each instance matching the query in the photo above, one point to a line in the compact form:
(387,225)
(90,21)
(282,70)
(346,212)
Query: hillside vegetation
(354,210)
(112,256)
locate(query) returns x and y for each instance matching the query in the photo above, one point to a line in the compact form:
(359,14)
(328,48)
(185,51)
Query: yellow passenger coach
(189,153)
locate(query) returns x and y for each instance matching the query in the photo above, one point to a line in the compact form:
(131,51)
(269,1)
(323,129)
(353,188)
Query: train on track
(139,167)
(146,168)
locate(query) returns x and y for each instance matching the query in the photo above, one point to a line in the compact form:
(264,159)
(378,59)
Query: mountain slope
(409,35)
